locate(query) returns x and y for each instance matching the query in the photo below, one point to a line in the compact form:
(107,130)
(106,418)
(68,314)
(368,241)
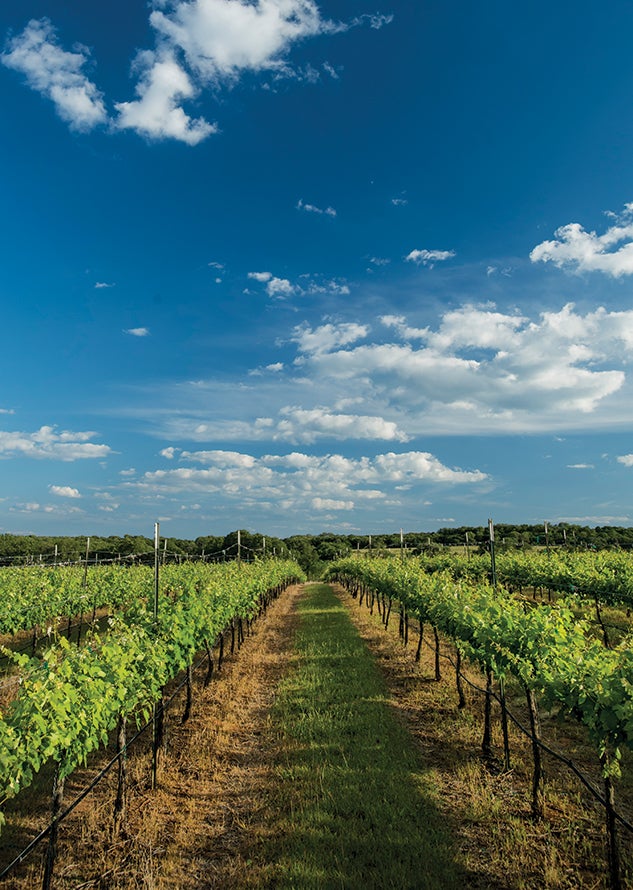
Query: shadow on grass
(360,809)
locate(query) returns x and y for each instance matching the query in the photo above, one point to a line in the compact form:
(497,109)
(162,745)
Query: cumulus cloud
(480,368)
(626,460)
(64,491)
(333,481)
(475,369)
(429,257)
(137,332)
(56,74)
(157,114)
(198,44)
(327,337)
(47,443)
(222,38)
(581,251)
(280,288)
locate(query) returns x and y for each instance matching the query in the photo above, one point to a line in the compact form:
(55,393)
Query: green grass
(357,807)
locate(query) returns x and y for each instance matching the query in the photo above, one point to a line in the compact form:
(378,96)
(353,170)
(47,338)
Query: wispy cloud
(137,332)
(576,249)
(308,285)
(57,74)
(311,208)
(101,284)
(308,425)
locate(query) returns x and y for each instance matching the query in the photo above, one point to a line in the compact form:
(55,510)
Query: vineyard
(92,656)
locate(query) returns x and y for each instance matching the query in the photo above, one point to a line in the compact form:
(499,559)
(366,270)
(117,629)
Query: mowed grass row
(354,804)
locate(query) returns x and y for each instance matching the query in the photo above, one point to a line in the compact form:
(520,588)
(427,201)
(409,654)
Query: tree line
(311,551)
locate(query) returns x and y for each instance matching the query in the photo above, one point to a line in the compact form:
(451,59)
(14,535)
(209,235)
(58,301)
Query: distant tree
(305,553)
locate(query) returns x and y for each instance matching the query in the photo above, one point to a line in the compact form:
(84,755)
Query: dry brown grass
(501,846)
(209,820)
(196,829)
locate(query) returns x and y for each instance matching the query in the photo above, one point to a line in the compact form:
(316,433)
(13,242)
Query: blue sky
(295,266)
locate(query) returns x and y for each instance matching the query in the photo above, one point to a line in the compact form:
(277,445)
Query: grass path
(314,759)
(354,806)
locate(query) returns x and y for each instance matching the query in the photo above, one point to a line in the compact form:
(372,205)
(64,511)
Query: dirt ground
(206,824)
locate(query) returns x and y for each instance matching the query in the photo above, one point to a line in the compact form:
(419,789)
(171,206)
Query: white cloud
(224,459)
(33,507)
(137,332)
(333,481)
(399,202)
(331,504)
(403,329)
(481,369)
(156,114)
(7,411)
(283,288)
(222,38)
(580,466)
(169,453)
(584,251)
(280,288)
(64,491)
(101,284)
(198,43)
(57,74)
(473,370)
(46,443)
(311,208)
(429,257)
(328,336)
(308,425)
(376,21)
(626,460)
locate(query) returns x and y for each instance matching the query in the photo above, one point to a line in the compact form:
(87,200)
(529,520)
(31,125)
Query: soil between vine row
(208,823)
